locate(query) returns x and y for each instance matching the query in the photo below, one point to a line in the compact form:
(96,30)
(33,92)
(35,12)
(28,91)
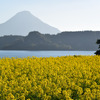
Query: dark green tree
(98,51)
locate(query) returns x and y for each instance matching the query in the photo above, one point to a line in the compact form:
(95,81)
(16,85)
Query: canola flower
(53,78)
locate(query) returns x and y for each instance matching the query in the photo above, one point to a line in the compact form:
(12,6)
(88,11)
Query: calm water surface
(20,54)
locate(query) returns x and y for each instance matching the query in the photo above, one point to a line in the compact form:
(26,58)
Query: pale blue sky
(66,15)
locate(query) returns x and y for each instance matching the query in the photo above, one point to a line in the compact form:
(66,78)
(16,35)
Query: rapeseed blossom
(53,78)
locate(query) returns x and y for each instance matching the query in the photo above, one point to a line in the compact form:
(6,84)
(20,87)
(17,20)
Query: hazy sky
(66,15)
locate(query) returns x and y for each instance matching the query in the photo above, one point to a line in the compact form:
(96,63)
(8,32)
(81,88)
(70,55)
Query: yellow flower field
(53,78)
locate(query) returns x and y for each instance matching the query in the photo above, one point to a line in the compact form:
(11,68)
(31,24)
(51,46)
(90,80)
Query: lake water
(20,54)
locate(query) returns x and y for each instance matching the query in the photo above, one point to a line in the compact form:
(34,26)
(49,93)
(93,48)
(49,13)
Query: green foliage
(98,41)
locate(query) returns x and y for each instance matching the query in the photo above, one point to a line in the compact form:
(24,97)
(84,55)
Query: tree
(98,51)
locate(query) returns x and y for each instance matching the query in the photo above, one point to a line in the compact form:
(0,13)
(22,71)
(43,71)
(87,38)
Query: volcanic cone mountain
(24,22)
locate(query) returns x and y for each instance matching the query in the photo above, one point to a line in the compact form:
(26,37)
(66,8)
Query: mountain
(81,40)
(24,22)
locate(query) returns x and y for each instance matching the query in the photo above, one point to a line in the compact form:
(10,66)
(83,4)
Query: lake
(19,54)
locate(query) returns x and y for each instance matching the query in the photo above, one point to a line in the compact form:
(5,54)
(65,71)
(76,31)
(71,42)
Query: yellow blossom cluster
(53,78)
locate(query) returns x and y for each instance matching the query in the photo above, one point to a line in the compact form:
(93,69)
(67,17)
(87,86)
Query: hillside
(82,40)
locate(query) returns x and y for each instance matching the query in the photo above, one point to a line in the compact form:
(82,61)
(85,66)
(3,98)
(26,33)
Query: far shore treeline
(78,40)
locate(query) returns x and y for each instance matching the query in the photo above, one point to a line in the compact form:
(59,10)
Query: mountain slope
(24,22)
